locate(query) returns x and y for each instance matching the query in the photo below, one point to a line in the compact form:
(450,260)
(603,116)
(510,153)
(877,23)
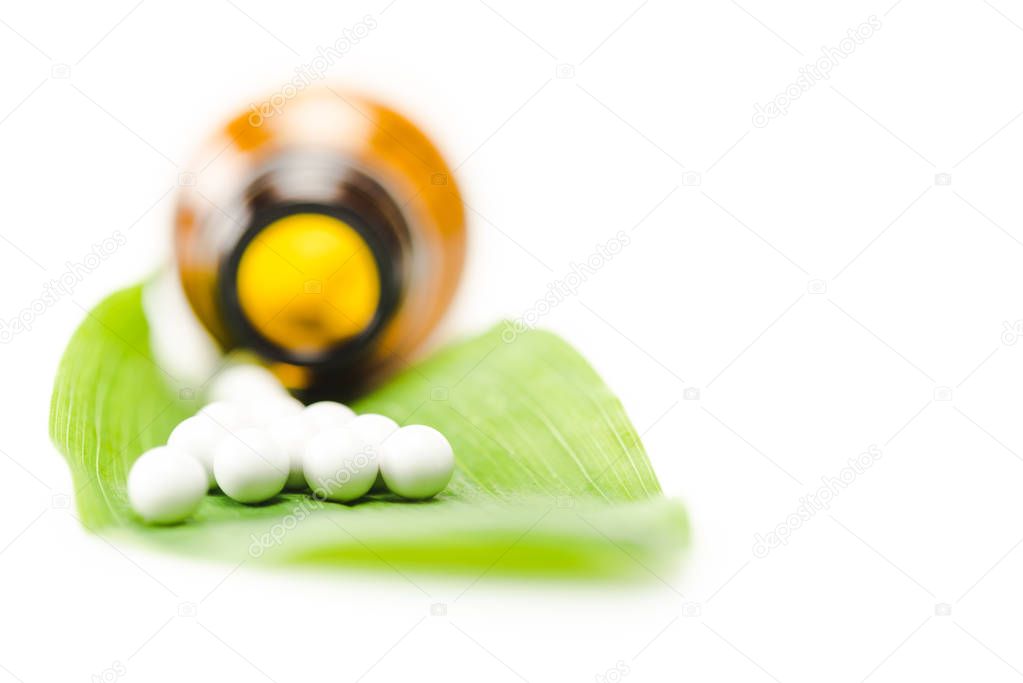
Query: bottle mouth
(311,284)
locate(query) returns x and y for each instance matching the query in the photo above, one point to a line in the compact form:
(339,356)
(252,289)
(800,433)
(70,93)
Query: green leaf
(551,476)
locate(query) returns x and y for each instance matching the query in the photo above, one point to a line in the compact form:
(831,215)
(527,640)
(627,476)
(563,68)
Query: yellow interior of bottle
(308,281)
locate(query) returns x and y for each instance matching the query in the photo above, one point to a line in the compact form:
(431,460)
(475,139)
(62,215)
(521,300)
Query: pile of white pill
(253,440)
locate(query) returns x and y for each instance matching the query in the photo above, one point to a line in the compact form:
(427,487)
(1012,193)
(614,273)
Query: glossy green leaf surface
(551,476)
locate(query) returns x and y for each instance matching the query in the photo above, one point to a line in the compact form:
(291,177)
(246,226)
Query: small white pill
(291,433)
(244,382)
(416,462)
(249,467)
(165,485)
(326,414)
(373,429)
(264,409)
(227,414)
(338,465)
(198,436)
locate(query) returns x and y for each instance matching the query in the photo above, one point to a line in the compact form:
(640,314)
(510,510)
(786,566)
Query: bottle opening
(308,282)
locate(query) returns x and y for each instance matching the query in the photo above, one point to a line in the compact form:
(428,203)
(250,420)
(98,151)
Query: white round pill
(198,436)
(264,409)
(326,414)
(227,414)
(338,465)
(291,433)
(165,485)
(244,382)
(249,467)
(373,429)
(416,462)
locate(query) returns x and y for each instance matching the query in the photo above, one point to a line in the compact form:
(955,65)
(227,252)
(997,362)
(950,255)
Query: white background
(812,280)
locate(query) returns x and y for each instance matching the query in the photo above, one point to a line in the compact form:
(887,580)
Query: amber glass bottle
(327,235)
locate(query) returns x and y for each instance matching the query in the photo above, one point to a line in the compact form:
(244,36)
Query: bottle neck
(319,266)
